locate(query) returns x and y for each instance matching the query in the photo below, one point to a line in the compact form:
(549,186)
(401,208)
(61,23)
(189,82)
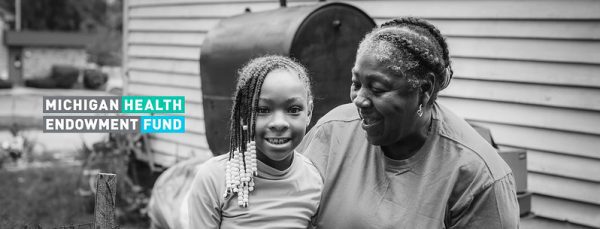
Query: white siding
(529,70)
(534,79)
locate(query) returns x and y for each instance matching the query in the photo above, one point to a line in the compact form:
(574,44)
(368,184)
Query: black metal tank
(323,37)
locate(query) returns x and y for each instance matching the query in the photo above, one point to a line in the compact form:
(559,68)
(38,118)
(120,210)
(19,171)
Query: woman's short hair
(413,47)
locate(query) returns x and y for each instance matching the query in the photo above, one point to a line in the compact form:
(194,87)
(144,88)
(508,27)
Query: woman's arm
(494,206)
(315,146)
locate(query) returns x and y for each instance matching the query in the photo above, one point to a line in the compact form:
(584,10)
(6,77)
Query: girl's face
(282,115)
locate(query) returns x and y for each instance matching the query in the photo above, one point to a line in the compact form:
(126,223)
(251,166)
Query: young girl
(262,182)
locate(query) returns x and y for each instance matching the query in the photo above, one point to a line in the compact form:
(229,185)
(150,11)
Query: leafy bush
(65,76)
(94,79)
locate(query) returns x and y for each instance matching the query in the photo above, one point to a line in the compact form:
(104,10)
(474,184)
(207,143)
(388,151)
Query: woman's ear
(309,111)
(427,88)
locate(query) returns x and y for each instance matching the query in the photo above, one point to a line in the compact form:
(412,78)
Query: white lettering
(138,104)
(177,104)
(65,106)
(128,104)
(69,124)
(149,105)
(166,124)
(93,104)
(59,124)
(50,124)
(50,104)
(78,124)
(167,103)
(77,104)
(91,123)
(158,106)
(103,124)
(114,104)
(147,123)
(114,124)
(133,123)
(176,124)
(124,124)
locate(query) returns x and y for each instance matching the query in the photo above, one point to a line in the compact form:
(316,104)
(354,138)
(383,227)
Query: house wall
(529,70)
(38,61)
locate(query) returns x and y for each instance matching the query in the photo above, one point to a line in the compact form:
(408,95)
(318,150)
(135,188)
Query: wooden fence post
(104,209)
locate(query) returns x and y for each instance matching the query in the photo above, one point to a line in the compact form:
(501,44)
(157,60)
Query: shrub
(65,76)
(93,78)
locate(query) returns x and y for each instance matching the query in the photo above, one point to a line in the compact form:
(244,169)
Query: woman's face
(283,113)
(384,99)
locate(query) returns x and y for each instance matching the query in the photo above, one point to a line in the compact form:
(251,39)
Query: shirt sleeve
(316,147)
(494,206)
(204,200)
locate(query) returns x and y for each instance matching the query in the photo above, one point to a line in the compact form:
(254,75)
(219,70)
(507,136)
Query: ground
(41,196)
(46,195)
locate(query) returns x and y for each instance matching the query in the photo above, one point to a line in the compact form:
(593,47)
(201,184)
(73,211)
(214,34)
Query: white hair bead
(240,172)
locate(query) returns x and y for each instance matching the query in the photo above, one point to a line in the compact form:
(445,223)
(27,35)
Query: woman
(395,158)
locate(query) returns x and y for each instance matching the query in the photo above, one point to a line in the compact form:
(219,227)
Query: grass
(41,191)
(42,196)
(47,197)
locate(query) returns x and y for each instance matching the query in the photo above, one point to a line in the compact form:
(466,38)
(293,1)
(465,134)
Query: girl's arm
(204,200)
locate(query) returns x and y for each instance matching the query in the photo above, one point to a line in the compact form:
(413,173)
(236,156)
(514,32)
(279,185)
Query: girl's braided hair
(413,46)
(247,94)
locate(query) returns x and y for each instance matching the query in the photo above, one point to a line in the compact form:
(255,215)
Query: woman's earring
(420,111)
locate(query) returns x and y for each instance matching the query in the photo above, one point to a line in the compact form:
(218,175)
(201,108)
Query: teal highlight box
(153,104)
(162,124)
